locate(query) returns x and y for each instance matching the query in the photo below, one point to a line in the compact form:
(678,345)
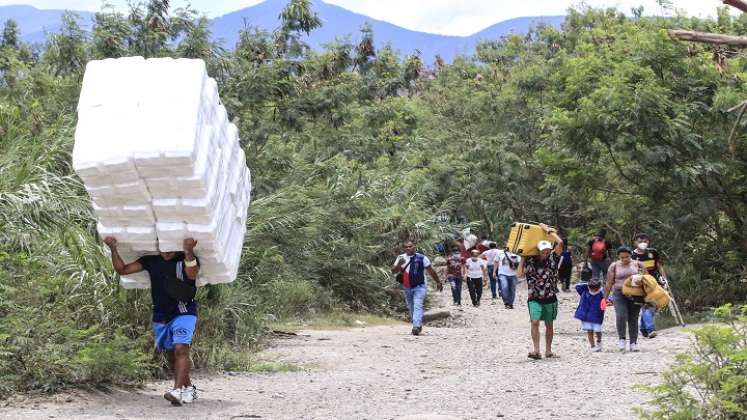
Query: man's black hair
(492,245)
(602,233)
(641,235)
(624,249)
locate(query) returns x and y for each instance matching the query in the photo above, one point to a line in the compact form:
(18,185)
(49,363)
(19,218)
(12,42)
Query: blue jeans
(508,288)
(599,269)
(647,320)
(415,297)
(456,289)
(493,281)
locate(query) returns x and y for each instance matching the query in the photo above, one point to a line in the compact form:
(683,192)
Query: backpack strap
(408,263)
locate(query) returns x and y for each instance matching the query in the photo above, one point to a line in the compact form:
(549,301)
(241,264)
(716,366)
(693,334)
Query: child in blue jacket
(590,311)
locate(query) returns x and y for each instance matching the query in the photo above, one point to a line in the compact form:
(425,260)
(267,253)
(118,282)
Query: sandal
(535,356)
(552,356)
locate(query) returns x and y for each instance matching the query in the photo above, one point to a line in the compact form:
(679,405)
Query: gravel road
(474,366)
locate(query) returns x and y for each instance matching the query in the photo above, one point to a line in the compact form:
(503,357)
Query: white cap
(543,245)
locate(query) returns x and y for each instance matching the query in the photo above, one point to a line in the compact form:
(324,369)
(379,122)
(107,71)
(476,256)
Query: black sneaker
(416,330)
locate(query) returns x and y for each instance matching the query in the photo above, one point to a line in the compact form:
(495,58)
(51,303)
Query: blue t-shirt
(165,308)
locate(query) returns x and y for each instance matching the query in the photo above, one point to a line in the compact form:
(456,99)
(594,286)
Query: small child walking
(590,311)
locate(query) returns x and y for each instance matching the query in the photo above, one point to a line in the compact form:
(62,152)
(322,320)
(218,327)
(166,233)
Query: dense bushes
(711,381)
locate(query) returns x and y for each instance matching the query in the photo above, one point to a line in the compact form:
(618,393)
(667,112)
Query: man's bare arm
(119,265)
(189,256)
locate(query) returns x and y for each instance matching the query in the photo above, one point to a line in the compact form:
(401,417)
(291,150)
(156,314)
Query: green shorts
(543,311)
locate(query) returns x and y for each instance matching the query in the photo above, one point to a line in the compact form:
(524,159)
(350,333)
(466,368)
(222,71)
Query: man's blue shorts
(178,331)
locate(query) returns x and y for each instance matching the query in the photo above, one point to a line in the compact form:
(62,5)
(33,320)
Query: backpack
(598,250)
(511,263)
(178,286)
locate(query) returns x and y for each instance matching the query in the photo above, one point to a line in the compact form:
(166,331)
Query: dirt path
(475,369)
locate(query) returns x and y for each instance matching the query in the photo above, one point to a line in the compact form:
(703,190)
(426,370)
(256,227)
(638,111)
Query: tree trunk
(710,38)
(739,4)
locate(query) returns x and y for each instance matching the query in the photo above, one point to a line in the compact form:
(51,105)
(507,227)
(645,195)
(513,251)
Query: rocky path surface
(472,367)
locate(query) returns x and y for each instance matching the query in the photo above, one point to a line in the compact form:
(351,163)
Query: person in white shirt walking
(476,272)
(504,269)
(489,257)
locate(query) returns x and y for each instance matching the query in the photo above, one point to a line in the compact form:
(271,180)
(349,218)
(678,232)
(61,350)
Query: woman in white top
(475,271)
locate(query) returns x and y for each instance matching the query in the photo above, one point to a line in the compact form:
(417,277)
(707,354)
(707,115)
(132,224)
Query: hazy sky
(450,17)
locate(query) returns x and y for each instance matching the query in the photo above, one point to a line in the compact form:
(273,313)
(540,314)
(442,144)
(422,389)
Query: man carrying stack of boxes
(168,181)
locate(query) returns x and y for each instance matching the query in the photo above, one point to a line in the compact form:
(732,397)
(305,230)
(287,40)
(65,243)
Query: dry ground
(474,367)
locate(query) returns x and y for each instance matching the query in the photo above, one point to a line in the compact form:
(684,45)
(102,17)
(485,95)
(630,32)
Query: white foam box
(132,281)
(161,162)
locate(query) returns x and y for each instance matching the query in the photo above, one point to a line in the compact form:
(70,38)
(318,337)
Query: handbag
(511,263)
(179,287)
(400,277)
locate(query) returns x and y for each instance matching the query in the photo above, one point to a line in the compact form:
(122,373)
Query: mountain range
(337,24)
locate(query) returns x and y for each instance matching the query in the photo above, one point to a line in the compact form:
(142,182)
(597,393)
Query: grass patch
(335,320)
(270,366)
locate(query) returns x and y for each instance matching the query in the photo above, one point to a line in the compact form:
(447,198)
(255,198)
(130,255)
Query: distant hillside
(35,23)
(338,23)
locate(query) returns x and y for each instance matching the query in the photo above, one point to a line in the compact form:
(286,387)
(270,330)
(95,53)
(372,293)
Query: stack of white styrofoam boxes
(162,163)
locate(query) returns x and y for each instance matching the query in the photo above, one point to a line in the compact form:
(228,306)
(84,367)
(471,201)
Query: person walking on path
(476,272)
(651,259)
(504,268)
(566,268)
(599,252)
(489,257)
(484,244)
(454,274)
(590,311)
(413,265)
(541,272)
(626,310)
(172,289)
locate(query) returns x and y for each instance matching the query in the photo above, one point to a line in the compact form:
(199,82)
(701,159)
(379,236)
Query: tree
(296,18)
(67,50)
(365,50)
(11,34)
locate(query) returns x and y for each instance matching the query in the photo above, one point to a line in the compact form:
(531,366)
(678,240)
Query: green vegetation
(607,122)
(336,319)
(711,381)
(274,367)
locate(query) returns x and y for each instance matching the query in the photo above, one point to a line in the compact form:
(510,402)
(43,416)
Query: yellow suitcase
(524,237)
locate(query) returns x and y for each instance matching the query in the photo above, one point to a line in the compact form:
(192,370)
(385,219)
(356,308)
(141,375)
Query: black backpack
(178,285)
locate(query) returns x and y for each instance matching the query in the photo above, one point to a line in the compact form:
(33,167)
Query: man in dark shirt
(566,268)
(541,272)
(172,282)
